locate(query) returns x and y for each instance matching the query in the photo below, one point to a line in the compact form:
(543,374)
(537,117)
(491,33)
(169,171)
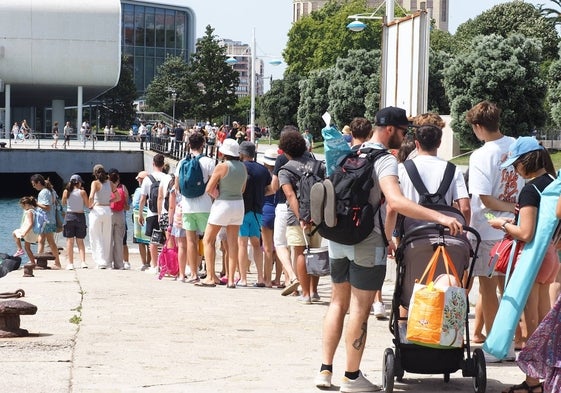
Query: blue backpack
(40,219)
(191,181)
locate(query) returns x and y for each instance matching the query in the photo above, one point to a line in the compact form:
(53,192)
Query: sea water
(11,213)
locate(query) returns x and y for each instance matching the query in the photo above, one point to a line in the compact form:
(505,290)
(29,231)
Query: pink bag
(167,260)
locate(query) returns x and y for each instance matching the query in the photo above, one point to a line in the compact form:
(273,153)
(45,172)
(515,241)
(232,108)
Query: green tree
(552,14)
(319,39)
(554,92)
(356,81)
(240,111)
(437,100)
(505,19)
(505,71)
(172,75)
(280,104)
(314,101)
(215,79)
(118,103)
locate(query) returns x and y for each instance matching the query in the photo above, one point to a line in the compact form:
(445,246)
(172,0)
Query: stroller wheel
(480,375)
(388,370)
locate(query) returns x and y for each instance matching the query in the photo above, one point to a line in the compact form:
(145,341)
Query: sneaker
(490,358)
(70,266)
(323,379)
(127,266)
(144,267)
(304,300)
(19,253)
(330,212)
(361,384)
(317,196)
(316,298)
(152,270)
(379,310)
(84,266)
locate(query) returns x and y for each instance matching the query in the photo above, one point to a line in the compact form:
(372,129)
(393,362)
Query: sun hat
(141,175)
(270,157)
(97,167)
(230,148)
(247,148)
(75,178)
(523,145)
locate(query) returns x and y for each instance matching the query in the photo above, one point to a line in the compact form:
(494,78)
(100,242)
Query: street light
(173,99)
(232,61)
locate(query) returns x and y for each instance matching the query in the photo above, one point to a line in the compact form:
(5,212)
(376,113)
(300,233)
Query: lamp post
(231,60)
(173,93)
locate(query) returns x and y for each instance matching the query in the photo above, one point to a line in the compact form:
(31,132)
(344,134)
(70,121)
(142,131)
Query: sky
(272,19)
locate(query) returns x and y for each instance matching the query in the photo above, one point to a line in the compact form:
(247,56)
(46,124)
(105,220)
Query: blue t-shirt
(46,197)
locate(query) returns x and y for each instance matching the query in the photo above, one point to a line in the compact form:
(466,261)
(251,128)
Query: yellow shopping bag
(437,312)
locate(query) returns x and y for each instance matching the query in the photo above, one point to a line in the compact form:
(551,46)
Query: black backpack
(170,187)
(352,181)
(314,172)
(153,194)
(426,198)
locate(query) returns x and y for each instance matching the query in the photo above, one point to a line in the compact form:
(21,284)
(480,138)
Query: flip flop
(204,284)
(330,212)
(291,287)
(259,285)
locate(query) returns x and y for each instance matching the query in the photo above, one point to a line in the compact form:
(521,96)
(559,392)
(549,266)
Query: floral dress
(541,358)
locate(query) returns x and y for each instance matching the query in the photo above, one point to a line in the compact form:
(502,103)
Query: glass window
(128,24)
(170,29)
(160,28)
(139,25)
(150,28)
(149,70)
(180,26)
(139,73)
(444,10)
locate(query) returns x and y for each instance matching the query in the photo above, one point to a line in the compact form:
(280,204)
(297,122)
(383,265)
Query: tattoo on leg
(359,342)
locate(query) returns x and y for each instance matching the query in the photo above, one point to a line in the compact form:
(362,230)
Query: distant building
(438,9)
(153,30)
(242,53)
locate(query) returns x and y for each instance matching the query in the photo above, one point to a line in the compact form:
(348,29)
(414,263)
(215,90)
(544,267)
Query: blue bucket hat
(523,145)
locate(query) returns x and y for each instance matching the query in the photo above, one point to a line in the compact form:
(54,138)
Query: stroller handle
(441,230)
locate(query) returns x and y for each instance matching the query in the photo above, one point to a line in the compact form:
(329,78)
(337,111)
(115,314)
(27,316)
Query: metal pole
(252,108)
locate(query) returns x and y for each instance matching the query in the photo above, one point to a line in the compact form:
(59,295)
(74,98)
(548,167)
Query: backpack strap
(152,178)
(415,177)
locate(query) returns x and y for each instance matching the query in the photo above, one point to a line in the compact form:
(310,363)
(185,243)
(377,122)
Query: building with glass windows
(153,30)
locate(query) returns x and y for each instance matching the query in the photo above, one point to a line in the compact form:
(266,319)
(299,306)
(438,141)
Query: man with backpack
(191,176)
(358,270)
(149,197)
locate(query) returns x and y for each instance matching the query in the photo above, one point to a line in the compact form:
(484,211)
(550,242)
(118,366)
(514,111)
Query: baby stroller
(414,251)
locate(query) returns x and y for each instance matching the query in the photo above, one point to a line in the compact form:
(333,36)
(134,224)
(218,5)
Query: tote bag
(436,312)
(168,261)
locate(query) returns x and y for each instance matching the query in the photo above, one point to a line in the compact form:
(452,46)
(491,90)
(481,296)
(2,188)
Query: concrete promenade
(126,331)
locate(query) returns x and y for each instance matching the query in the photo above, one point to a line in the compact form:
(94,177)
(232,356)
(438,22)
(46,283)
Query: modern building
(55,55)
(438,9)
(153,30)
(242,54)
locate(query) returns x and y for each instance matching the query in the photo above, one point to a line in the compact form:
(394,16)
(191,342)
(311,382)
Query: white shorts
(281,219)
(223,213)
(481,267)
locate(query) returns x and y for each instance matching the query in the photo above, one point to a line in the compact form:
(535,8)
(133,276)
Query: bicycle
(22,137)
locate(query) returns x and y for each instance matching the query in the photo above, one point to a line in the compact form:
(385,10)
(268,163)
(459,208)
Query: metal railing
(91,142)
(173,149)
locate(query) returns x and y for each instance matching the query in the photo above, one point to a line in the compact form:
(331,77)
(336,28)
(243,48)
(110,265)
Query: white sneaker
(379,310)
(152,270)
(361,384)
(70,266)
(323,379)
(127,266)
(491,358)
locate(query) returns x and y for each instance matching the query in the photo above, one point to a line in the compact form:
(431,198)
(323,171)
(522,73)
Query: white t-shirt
(145,189)
(431,169)
(203,203)
(164,184)
(487,178)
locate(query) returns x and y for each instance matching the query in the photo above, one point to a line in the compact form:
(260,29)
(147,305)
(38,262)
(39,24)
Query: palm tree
(552,14)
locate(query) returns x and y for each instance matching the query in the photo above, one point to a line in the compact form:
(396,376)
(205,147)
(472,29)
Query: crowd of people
(225,199)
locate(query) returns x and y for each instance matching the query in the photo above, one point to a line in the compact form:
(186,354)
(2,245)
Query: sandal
(525,388)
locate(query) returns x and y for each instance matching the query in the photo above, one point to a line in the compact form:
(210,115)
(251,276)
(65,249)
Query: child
(25,231)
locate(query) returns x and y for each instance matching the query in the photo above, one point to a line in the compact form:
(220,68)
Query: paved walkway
(126,331)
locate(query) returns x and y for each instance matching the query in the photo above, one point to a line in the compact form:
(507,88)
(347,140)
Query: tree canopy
(314,100)
(505,71)
(280,104)
(319,39)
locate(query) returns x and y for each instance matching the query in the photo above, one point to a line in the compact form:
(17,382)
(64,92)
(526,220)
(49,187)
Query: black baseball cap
(392,116)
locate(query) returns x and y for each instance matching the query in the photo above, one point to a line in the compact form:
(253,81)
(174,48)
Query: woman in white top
(102,193)
(76,200)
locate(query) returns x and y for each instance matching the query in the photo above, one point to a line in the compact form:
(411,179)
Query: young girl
(25,231)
